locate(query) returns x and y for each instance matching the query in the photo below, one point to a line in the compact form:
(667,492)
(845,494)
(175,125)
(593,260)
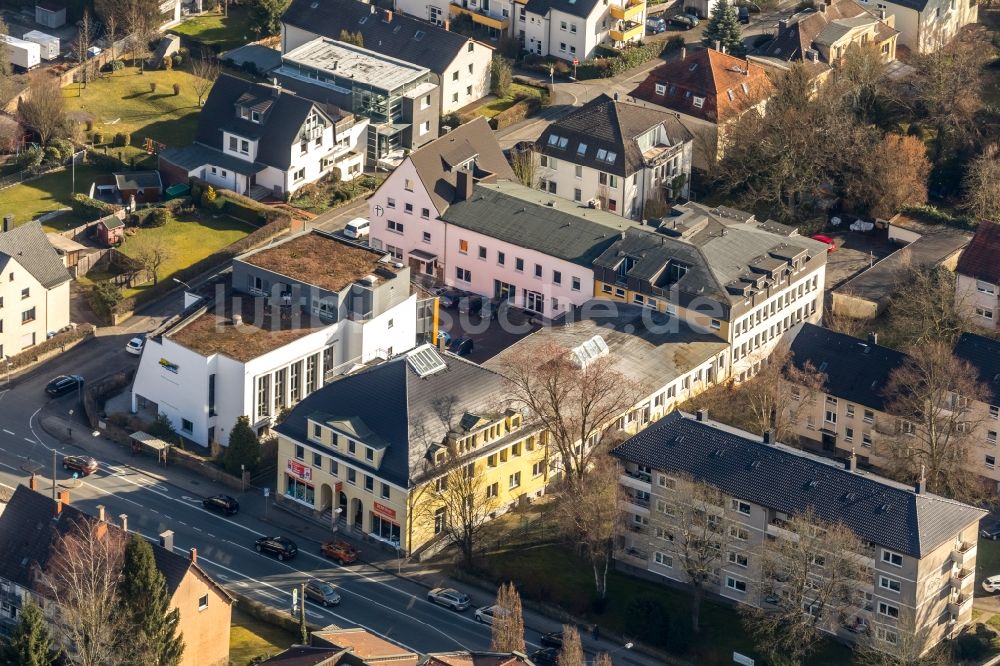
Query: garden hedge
(89,208)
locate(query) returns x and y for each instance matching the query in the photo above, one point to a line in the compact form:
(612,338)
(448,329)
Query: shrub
(168,62)
(117,65)
(163,429)
(178,60)
(177,89)
(106,162)
(88,208)
(157,218)
(675,43)
(196,192)
(122,139)
(64,147)
(972,647)
(152,86)
(28,357)
(98,138)
(52,154)
(30,158)
(104,296)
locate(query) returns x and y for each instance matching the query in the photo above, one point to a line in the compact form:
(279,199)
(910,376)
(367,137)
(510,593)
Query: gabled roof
(282,115)
(855,370)
(304,655)
(365,646)
(390,33)
(981,259)
(29,247)
(727,85)
(470,658)
(604,124)
(792,481)
(407,412)
(821,27)
(984,355)
(581,8)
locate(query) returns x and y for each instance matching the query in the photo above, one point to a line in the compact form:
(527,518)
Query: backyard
(250,638)
(48,193)
(218,32)
(518,91)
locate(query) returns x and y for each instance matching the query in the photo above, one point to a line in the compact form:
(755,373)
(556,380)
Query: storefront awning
(422,256)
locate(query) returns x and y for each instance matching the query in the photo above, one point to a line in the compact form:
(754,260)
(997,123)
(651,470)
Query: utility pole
(53,475)
(303,627)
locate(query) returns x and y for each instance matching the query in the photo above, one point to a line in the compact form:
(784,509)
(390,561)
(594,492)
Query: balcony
(959,604)
(963,554)
(634,556)
(626,31)
(635,500)
(635,480)
(962,578)
(480,18)
(774,529)
(629,10)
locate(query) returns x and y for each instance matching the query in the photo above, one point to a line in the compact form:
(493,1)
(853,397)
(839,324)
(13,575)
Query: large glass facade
(385,528)
(299,490)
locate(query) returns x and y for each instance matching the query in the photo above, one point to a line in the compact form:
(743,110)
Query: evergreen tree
(724,28)
(243,449)
(152,625)
(29,643)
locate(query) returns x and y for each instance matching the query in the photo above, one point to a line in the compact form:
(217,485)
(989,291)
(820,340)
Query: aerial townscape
(499,332)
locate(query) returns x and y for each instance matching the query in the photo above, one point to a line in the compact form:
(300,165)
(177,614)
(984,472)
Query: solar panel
(426,361)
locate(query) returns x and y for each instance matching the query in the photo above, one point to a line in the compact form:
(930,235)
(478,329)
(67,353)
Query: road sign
(576,61)
(267,492)
(742,659)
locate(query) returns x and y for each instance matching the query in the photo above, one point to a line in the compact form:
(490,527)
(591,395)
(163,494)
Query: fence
(88,262)
(31,174)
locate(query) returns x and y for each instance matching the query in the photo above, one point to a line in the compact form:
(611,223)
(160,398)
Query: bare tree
(84,38)
(862,79)
(934,396)
(982,185)
(904,645)
(926,308)
(780,392)
(111,33)
(5,68)
(576,405)
(137,24)
(508,621)
(44,110)
(524,163)
(81,577)
(814,567)
(591,516)
(205,70)
(151,252)
(603,659)
(463,504)
(571,652)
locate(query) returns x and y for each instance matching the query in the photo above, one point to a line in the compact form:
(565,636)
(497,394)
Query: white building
(926,25)
(617,156)
(294,316)
(34,288)
(258,139)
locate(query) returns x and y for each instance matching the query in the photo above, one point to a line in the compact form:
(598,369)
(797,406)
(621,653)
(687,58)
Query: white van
(357,228)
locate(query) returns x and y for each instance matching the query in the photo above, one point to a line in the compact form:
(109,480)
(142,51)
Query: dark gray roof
(434,48)
(138,180)
(984,355)
(581,8)
(539,221)
(783,479)
(604,124)
(855,370)
(196,155)
(283,112)
(304,655)
(402,411)
(29,247)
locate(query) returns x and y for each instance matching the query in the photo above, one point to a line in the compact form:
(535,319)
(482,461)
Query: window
(482,252)
(501,258)
(390,203)
(369,451)
(664,481)
(427,237)
(300,452)
(869,416)
(425,213)
(439,520)
(736,585)
(441,484)
(492,490)
(698,102)
(203,602)
(317,431)
(889,557)
(985,313)
(890,584)
(848,435)
(538,270)
(866,439)
(563,26)
(186,425)
(575,284)
(463,246)
(408,208)
(519,265)
(463,274)
(28,316)
(334,467)
(25,293)
(888,610)
(991,462)
(408,185)
(663,560)
(716,324)
(985,287)
(395,227)
(386,493)
(577,194)
(425,126)
(369,484)
(994,411)
(298,175)
(739,559)
(537,469)
(850,411)
(739,533)
(661,89)
(740,506)
(515,480)
(352,447)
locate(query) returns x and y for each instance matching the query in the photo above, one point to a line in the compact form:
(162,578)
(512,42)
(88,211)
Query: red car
(831,245)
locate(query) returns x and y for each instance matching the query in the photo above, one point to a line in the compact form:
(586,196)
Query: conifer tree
(152,625)
(243,449)
(508,621)
(29,643)
(724,28)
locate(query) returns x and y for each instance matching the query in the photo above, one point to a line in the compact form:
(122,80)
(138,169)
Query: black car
(991,532)
(744,15)
(448,298)
(461,347)
(553,639)
(223,504)
(470,304)
(280,547)
(546,656)
(63,384)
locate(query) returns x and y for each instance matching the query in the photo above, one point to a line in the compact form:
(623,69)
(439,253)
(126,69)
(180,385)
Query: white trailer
(48,43)
(21,53)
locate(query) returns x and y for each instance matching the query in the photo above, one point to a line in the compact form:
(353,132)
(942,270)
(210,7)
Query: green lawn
(123,102)
(218,31)
(52,192)
(518,91)
(249,638)
(188,239)
(987,558)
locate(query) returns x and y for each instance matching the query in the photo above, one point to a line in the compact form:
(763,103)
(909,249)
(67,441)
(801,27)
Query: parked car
(445,336)
(224,504)
(470,304)
(685,21)
(341,551)
(461,347)
(991,584)
(655,25)
(448,298)
(322,592)
(487,613)
(82,465)
(63,384)
(992,532)
(357,228)
(744,15)
(449,598)
(545,657)
(553,639)
(280,547)
(831,245)
(135,345)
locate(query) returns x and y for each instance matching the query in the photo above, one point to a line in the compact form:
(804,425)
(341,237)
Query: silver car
(322,593)
(449,598)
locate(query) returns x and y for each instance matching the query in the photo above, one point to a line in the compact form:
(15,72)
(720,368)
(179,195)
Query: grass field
(217,31)
(123,102)
(518,91)
(52,192)
(249,638)
(188,240)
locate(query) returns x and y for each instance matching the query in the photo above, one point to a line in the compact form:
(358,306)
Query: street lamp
(335,518)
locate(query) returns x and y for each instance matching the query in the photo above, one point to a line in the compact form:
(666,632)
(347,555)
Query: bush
(64,147)
(117,65)
(195,192)
(972,647)
(177,89)
(675,43)
(52,154)
(28,357)
(168,62)
(122,139)
(106,162)
(157,218)
(516,113)
(152,86)
(88,208)
(98,138)
(163,429)
(501,76)
(30,158)
(104,297)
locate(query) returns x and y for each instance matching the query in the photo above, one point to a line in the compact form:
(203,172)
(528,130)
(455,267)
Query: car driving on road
(63,384)
(82,465)
(553,639)
(281,547)
(322,592)
(449,598)
(134,346)
(340,551)
(224,504)
(487,613)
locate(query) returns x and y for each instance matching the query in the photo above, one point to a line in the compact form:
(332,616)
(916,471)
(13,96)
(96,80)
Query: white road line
(9,432)
(29,440)
(196,527)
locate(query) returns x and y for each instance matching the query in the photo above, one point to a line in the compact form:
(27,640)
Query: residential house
(977,277)
(259,140)
(290,318)
(572,29)
(399,99)
(616,155)
(29,526)
(922,246)
(377,447)
(821,38)
(34,288)
(926,25)
(920,548)
(710,89)
(461,64)
(853,411)
(719,270)
(404,212)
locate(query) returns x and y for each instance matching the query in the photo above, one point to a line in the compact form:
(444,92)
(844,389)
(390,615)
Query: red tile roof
(981,258)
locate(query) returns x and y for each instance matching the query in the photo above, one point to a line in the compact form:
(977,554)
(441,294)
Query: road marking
(180,521)
(29,440)
(196,527)
(210,534)
(9,432)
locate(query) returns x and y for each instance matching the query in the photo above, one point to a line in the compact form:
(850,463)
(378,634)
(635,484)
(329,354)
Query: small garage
(145,186)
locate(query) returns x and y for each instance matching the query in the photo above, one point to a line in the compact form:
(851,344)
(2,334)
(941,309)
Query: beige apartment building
(977,277)
(919,548)
(851,412)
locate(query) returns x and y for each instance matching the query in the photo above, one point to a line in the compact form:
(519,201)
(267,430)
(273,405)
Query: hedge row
(28,357)
(516,113)
(240,206)
(90,209)
(633,56)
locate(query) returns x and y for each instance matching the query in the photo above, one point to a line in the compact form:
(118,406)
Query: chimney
(767,437)
(873,338)
(8,222)
(64,496)
(783,24)
(463,185)
(167,540)
(124,518)
(100,512)
(881,14)
(59,507)
(33,482)
(616,97)
(718,45)
(442,343)
(447,24)
(852,462)
(702,414)
(194,556)
(387,17)
(921,486)
(822,8)
(237,320)
(684,52)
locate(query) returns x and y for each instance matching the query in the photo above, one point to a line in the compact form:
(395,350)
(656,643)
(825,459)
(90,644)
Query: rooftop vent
(812,484)
(589,351)
(237,320)
(850,497)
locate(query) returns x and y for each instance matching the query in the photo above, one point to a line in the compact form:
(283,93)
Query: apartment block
(977,277)
(919,549)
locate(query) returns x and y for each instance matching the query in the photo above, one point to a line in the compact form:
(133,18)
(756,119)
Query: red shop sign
(383,510)
(300,470)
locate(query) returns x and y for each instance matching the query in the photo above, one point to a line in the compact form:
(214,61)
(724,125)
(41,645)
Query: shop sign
(300,470)
(383,510)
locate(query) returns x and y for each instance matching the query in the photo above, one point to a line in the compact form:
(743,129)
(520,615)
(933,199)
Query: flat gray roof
(347,61)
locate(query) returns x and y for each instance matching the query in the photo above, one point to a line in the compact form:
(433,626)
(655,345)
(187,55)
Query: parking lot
(855,253)
(490,333)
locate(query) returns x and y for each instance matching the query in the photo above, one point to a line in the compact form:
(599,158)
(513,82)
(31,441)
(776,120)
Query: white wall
(51,308)
(395,331)
(479,79)
(414,226)
(929,30)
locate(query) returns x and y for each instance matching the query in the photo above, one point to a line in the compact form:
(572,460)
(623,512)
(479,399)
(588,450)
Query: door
(504,291)
(534,301)
(829,442)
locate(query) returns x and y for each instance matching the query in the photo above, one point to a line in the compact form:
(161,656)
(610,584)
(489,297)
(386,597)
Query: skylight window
(698,102)
(581,149)
(746,88)
(604,155)
(419,35)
